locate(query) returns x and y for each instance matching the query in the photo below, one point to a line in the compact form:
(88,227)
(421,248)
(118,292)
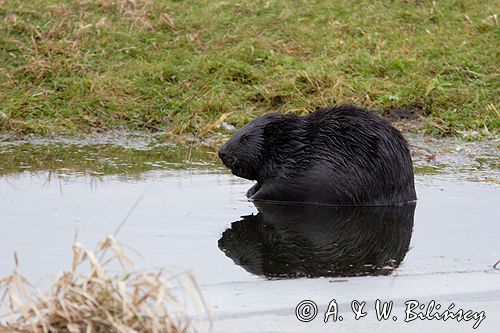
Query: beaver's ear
(272,131)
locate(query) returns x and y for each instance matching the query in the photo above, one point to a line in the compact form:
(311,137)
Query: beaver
(342,155)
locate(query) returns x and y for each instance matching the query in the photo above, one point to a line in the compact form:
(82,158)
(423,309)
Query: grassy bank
(69,67)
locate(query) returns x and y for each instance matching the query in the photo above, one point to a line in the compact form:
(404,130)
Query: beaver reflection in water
(290,241)
(341,155)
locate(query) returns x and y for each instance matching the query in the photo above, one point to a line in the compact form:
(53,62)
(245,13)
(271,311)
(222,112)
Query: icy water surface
(251,261)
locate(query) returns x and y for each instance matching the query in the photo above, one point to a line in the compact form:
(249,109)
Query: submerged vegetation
(102,159)
(77,66)
(88,298)
(133,157)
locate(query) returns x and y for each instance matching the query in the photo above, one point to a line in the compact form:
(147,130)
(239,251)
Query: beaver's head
(246,152)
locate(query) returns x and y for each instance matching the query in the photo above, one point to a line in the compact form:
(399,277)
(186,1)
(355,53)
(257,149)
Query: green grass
(69,67)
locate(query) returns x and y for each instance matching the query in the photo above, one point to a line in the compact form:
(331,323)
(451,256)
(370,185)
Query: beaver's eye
(244,140)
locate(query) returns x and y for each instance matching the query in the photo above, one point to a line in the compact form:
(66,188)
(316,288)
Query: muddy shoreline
(135,152)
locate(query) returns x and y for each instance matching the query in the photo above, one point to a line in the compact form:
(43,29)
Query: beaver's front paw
(252,190)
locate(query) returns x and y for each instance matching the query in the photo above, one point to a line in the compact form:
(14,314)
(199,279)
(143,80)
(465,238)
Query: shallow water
(192,210)
(184,213)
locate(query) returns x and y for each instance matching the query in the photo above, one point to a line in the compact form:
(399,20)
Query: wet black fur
(340,155)
(289,241)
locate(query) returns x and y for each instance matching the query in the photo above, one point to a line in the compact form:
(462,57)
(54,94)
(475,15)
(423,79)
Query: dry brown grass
(88,298)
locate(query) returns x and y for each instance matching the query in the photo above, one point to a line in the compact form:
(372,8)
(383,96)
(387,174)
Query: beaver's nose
(222,154)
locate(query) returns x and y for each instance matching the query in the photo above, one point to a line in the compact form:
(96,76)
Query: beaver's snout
(225,156)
